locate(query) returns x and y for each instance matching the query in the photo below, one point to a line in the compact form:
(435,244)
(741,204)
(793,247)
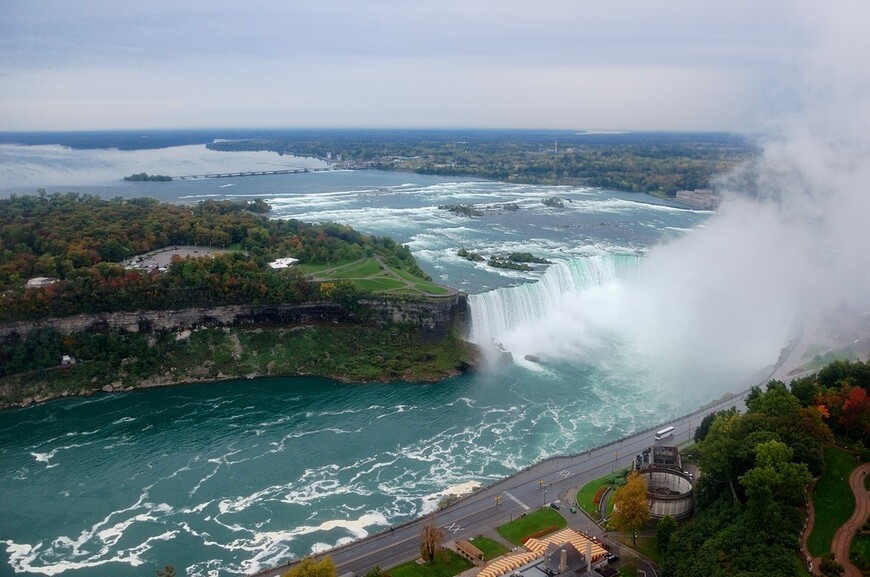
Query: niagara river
(239,476)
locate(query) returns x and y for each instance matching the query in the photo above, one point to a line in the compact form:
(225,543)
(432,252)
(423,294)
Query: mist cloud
(788,250)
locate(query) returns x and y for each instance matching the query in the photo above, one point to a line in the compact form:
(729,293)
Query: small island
(145,177)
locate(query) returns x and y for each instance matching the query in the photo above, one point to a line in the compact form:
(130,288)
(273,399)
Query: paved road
(525,491)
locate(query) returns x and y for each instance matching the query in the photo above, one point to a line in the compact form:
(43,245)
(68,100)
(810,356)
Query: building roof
(283,262)
(537,549)
(39,282)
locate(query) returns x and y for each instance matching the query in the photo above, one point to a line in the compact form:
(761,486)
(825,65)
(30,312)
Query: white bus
(664,433)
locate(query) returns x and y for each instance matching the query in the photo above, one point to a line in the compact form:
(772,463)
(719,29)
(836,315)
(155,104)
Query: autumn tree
(430,539)
(630,505)
(308,567)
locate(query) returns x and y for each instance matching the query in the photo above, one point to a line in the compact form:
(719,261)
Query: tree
(308,567)
(430,539)
(707,422)
(664,530)
(775,481)
(168,571)
(831,567)
(630,505)
(376,571)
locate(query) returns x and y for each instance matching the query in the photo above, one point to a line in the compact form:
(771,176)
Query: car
(556,505)
(612,557)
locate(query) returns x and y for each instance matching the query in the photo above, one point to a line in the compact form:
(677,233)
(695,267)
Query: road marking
(453,527)
(565,473)
(517,501)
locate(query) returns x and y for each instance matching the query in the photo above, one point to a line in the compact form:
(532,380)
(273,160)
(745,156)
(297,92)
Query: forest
(81,241)
(756,468)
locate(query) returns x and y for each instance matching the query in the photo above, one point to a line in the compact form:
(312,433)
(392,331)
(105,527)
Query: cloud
(429,64)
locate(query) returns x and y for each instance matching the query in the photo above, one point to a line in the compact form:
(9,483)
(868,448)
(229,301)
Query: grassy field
(587,492)
(372,274)
(490,547)
(519,530)
(832,499)
(447,564)
(646,545)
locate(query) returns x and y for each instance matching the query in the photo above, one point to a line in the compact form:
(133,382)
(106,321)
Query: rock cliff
(435,317)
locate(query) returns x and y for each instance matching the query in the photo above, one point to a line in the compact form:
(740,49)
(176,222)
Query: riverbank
(340,352)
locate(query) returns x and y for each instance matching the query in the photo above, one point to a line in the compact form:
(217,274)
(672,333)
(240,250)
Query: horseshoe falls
(504,315)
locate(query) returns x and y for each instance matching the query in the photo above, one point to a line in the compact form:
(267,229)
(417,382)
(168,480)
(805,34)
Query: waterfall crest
(497,313)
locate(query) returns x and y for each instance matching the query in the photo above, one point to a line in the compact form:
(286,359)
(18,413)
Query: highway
(527,490)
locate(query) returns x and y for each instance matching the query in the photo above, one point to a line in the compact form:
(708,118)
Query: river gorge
(236,476)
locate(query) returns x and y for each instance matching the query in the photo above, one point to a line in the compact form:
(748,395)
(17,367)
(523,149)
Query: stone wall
(436,316)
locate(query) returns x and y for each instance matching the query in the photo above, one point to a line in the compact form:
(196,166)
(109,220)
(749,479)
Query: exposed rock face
(435,316)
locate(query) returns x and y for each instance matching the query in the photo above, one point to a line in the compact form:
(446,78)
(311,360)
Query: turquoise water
(238,476)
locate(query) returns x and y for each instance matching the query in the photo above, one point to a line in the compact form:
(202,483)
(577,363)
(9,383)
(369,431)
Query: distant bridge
(248,173)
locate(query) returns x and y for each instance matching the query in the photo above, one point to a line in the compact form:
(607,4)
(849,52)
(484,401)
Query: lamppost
(497,500)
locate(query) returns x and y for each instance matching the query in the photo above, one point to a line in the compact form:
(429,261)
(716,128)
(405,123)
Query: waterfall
(496,313)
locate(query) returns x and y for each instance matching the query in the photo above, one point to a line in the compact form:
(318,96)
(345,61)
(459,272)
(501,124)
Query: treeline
(145,177)
(643,162)
(756,468)
(81,241)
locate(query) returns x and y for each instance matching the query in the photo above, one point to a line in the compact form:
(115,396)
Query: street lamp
(545,497)
(497,500)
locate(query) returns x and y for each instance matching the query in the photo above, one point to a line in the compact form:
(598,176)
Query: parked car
(556,505)
(612,557)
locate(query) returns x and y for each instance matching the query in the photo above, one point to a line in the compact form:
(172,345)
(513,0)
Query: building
(39,282)
(283,263)
(567,552)
(702,198)
(469,551)
(669,488)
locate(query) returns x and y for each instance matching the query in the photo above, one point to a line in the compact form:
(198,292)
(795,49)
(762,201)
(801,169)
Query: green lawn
(490,547)
(519,530)
(447,563)
(832,499)
(368,275)
(587,493)
(646,545)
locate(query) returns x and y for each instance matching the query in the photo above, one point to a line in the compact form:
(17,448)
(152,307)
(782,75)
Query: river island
(112,295)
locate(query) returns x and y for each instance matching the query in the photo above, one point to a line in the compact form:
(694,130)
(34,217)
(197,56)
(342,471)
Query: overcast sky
(572,64)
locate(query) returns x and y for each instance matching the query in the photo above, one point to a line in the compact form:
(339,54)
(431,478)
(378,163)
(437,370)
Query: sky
(690,65)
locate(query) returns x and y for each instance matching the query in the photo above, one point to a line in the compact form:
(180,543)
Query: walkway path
(843,537)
